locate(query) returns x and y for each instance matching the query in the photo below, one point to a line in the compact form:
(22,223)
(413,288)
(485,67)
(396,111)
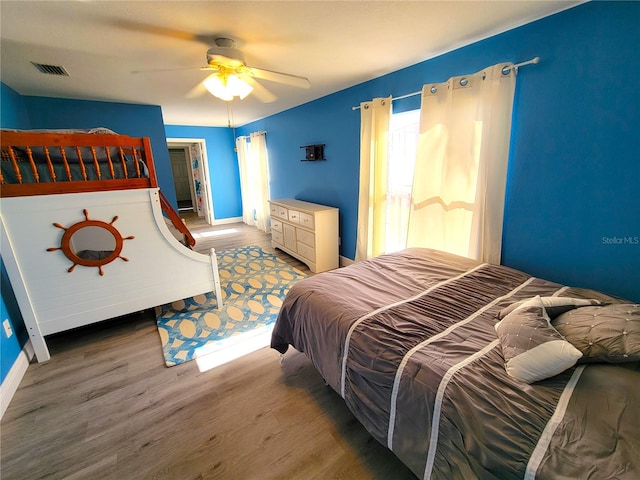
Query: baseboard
(345,261)
(224,221)
(14,377)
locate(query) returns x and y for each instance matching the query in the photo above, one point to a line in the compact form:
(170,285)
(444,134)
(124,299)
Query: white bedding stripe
(407,356)
(560,291)
(435,422)
(437,407)
(552,425)
(386,307)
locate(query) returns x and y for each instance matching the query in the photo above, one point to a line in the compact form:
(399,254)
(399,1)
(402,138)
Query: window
(403,141)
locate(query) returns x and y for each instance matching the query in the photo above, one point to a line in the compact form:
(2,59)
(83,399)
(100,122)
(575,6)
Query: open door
(181,168)
(198,171)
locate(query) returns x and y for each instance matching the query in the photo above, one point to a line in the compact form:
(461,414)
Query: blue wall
(575,169)
(10,347)
(333,182)
(223,166)
(573,173)
(13,111)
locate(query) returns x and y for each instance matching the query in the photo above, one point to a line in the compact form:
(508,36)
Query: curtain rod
(259,132)
(413,94)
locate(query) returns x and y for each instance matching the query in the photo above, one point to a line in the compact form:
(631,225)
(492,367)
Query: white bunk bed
(132,262)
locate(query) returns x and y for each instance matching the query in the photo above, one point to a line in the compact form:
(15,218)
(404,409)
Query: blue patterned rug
(254,283)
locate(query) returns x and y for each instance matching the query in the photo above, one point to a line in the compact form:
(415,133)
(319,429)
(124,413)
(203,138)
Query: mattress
(409,341)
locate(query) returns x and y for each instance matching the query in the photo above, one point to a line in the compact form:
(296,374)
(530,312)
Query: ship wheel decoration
(91,243)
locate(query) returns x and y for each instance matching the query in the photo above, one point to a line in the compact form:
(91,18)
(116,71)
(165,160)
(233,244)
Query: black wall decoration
(313,153)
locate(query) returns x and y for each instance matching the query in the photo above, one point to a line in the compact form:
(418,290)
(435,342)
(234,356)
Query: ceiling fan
(231,77)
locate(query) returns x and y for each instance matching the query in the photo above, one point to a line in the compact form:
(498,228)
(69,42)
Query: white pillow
(533,350)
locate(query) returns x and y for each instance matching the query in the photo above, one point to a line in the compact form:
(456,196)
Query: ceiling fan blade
(208,68)
(259,91)
(197,91)
(176,69)
(132,25)
(279,77)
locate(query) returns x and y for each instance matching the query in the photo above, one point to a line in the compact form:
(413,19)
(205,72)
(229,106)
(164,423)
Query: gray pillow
(608,333)
(532,349)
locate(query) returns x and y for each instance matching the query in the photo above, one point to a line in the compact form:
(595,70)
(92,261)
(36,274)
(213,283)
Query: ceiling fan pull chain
(229,115)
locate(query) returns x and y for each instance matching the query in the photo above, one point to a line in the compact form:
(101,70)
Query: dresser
(307,231)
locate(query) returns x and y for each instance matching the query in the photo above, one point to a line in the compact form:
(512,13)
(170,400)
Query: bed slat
(96,165)
(67,168)
(111,170)
(34,169)
(135,162)
(83,170)
(49,164)
(14,164)
(124,163)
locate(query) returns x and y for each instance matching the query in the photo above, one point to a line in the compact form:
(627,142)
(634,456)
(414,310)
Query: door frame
(187,159)
(204,170)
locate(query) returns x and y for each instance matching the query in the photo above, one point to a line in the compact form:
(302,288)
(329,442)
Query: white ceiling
(336,44)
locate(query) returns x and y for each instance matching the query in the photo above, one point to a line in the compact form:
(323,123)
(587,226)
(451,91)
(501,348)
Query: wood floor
(106,407)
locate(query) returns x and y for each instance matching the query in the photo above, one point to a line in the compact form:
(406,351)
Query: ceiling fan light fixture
(238,86)
(227,86)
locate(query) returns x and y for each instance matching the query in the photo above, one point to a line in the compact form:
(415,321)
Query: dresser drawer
(308,238)
(277,237)
(306,220)
(306,251)
(282,212)
(294,216)
(273,209)
(276,225)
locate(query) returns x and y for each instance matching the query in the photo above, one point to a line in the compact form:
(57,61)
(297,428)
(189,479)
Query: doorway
(181,170)
(189,165)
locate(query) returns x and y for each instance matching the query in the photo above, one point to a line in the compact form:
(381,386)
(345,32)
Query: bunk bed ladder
(168,209)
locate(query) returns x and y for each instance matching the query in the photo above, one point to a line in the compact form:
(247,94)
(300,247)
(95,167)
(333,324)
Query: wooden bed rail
(168,209)
(73,163)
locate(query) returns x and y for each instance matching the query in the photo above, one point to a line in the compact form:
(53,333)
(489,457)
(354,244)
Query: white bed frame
(159,269)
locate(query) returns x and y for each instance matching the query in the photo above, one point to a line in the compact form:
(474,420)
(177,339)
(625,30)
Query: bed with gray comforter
(409,340)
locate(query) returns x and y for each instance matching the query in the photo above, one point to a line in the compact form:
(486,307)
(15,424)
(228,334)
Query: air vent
(51,69)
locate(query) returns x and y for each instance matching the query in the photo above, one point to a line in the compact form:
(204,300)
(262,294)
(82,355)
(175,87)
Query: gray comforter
(408,341)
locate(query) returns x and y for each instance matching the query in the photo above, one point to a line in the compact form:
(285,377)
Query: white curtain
(460,172)
(374,137)
(254,180)
(245,191)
